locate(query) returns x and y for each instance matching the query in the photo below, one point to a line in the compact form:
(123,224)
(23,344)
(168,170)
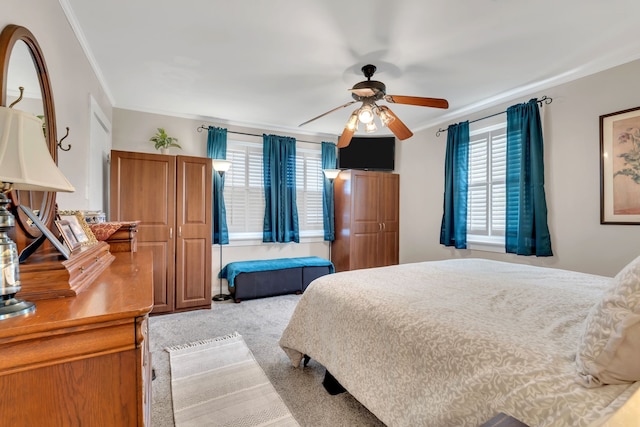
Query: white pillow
(609,349)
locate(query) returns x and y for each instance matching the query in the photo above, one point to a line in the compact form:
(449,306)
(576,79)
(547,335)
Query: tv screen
(377,153)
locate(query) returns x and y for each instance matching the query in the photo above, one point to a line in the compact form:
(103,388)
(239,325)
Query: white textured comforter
(452,343)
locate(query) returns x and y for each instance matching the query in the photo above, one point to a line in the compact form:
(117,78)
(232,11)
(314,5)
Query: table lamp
(25,164)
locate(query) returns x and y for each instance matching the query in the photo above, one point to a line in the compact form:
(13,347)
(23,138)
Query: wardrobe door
(193,238)
(389,238)
(143,188)
(365,223)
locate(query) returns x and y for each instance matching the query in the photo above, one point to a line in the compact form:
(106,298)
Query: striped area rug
(219,383)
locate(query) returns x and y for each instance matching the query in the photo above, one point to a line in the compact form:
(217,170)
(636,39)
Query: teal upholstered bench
(263,278)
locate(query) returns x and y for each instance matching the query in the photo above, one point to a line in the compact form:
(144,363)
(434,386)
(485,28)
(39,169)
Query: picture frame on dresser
(67,234)
(35,220)
(620,167)
(79,226)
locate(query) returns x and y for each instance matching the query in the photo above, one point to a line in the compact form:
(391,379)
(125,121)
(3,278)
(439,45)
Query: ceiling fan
(368,92)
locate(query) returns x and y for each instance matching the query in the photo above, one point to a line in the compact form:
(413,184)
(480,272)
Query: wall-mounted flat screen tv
(368,153)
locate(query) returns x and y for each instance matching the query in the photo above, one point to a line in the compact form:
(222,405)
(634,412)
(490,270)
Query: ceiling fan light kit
(365,114)
(352,123)
(370,91)
(385,117)
(370,127)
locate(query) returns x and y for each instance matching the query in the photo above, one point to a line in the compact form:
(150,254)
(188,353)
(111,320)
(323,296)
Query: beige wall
(572,173)
(73,83)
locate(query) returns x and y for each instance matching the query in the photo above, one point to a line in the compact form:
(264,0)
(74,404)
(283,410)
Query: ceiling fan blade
(417,100)
(345,138)
(328,112)
(399,129)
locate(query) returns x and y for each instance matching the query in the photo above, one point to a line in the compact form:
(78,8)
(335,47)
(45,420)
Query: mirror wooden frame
(11,34)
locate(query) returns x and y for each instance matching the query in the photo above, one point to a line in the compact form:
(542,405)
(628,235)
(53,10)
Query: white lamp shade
(352,123)
(331,173)
(25,161)
(221,165)
(365,115)
(385,117)
(370,127)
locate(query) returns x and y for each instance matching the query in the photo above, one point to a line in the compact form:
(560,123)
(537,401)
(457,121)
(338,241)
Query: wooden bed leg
(306,360)
(237,300)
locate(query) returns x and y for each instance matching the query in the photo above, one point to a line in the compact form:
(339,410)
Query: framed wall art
(620,167)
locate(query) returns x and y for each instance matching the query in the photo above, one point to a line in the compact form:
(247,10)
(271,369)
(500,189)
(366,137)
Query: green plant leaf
(162,140)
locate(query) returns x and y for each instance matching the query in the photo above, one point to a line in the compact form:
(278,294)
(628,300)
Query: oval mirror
(22,65)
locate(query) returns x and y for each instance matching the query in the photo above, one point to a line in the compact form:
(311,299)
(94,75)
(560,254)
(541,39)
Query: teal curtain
(281,212)
(217,149)
(328,162)
(453,230)
(526,231)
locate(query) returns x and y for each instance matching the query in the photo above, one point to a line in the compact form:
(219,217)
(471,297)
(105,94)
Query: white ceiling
(275,64)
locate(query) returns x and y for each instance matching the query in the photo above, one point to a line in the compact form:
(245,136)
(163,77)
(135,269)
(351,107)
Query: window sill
(486,244)
(255,239)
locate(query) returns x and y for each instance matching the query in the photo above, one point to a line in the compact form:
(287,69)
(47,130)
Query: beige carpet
(218,382)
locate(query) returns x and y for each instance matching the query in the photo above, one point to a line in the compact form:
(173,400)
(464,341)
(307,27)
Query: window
(244,190)
(309,181)
(486,200)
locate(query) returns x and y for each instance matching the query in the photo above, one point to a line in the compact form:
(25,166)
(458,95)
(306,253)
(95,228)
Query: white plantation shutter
(244,190)
(498,180)
(477,206)
(309,189)
(486,200)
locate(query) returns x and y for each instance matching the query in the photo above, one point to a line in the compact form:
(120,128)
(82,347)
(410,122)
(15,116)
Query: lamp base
(221,297)
(14,307)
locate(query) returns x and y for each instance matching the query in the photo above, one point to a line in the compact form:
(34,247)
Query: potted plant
(163,141)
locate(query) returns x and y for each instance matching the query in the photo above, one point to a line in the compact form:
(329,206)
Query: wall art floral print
(620,167)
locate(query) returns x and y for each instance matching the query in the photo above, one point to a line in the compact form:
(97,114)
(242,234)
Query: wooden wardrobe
(367,218)
(171,196)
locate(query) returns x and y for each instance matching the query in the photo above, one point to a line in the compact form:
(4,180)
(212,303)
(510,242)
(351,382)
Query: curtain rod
(544,99)
(203,127)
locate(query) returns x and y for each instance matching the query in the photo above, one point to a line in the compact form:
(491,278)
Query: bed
(455,342)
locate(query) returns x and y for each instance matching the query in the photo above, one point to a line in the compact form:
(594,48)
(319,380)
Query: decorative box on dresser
(124,238)
(367,218)
(169,197)
(82,360)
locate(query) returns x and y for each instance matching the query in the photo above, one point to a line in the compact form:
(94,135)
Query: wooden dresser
(82,360)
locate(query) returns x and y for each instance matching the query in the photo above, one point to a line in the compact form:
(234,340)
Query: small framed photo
(35,219)
(620,167)
(79,226)
(68,235)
